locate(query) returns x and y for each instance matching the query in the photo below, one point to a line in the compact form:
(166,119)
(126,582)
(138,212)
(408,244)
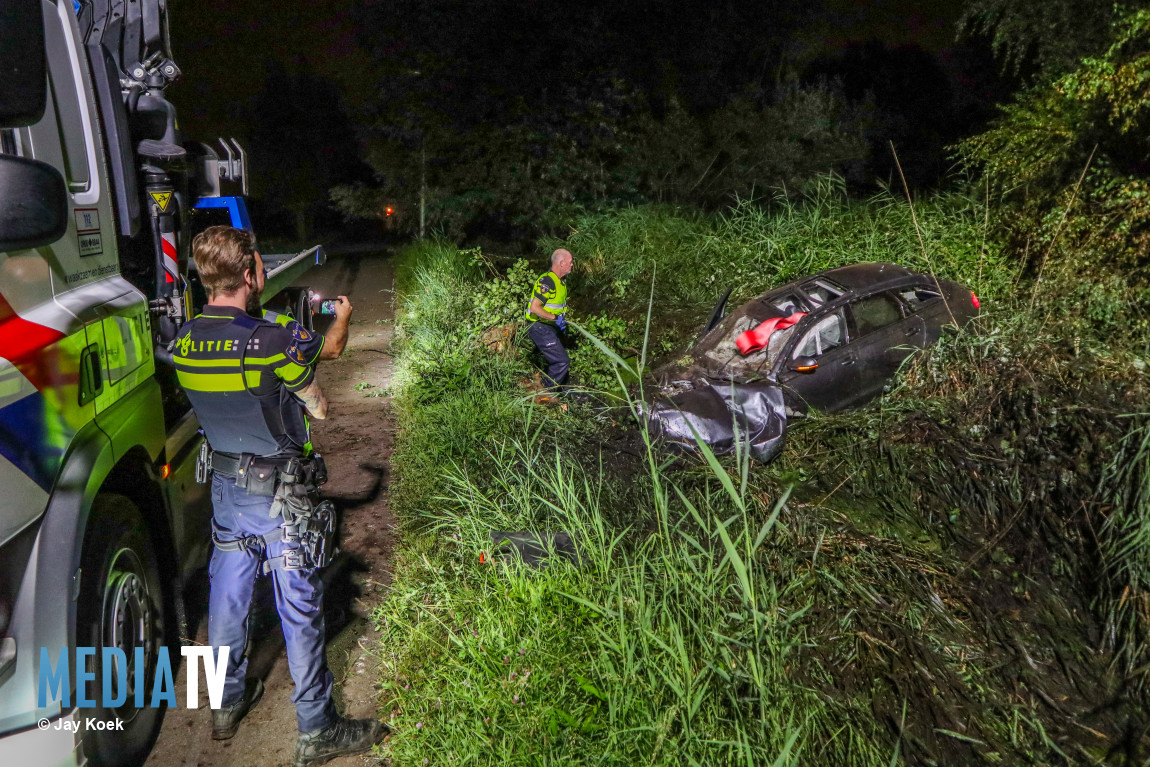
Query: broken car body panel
(716,413)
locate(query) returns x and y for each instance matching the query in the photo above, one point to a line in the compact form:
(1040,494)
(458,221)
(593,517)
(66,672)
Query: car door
(925,302)
(822,337)
(883,335)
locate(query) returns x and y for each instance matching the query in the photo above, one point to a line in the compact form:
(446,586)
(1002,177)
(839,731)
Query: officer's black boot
(226,720)
(343,736)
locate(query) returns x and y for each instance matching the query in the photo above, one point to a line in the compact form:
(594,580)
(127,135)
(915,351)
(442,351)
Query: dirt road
(356,443)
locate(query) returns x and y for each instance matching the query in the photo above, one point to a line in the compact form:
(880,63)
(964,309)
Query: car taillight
(974,300)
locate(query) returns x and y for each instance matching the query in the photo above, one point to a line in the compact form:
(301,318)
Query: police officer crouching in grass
(252,387)
(545,313)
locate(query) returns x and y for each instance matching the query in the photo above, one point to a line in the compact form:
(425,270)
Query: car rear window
(875,312)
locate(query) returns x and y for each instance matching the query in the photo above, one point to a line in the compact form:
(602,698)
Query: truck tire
(301,310)
(121,605)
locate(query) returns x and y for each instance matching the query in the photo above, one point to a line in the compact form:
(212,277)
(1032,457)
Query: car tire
(121,604)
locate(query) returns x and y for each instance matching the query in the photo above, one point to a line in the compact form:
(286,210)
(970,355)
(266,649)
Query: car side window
(874,312)
(828,333)
(919,296)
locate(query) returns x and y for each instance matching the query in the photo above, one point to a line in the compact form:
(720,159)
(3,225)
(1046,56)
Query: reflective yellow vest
(552,292)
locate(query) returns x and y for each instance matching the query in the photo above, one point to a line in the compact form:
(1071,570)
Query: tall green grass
(657,649)
(840,607)
(755,246)
(1126,559)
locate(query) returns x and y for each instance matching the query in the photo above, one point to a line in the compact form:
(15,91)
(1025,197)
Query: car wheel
(121,605)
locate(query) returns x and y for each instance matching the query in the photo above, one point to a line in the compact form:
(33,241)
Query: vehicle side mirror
(804,364)
(35,209)
(23,70)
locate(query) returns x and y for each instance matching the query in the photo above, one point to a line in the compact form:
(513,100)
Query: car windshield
(716,355)
(725,357)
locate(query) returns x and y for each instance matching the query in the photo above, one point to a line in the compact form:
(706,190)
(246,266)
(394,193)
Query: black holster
(292,483)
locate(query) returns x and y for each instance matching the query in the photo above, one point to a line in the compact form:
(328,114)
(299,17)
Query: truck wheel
(121,605)
(300,299)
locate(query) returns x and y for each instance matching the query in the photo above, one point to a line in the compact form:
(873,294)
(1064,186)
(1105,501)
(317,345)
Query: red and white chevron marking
(171,266)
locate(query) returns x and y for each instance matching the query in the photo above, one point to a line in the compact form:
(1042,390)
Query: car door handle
(847,361)
(913,331)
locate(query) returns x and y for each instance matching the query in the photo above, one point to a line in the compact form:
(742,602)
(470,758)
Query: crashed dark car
(830,341)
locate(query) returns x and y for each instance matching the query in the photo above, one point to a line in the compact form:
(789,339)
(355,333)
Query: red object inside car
(757,337)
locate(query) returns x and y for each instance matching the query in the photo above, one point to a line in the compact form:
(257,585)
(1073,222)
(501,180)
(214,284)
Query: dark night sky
(224,47)
(930,24)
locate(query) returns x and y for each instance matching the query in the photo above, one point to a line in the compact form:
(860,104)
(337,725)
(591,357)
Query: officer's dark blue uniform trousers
(546,339)
(299,601)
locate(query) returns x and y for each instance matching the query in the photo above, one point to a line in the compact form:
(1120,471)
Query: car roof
(872,276)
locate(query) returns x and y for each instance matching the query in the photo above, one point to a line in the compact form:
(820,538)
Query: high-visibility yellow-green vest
(240,374)
(552,292)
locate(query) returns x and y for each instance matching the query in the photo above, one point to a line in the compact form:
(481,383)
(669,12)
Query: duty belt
(234,466)
(257,475)
(290,483)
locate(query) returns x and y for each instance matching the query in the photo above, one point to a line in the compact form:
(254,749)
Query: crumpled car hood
(713,409)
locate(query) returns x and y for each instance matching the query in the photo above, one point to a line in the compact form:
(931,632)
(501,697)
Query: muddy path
(356,442)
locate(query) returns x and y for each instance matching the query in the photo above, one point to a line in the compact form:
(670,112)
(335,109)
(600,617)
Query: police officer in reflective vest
(545,313)
(252,387)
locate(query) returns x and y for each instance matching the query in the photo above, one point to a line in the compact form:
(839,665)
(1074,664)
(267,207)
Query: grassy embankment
(942,577)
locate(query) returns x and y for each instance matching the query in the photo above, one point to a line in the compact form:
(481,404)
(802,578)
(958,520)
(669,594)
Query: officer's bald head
(561,261)
(223,254)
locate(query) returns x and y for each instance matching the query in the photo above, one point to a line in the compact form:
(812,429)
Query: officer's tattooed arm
(314,400)
(336,337)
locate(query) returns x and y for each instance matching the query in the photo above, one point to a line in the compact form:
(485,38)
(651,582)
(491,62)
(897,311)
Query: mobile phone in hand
(328,306)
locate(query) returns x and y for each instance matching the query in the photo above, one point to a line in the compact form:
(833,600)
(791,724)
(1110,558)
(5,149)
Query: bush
(1068,158)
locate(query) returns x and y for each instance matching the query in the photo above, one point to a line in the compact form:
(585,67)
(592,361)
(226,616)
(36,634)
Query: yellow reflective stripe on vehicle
(223,362)
(217,381)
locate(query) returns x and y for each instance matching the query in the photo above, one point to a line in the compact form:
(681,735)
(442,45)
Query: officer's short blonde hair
(222,255)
